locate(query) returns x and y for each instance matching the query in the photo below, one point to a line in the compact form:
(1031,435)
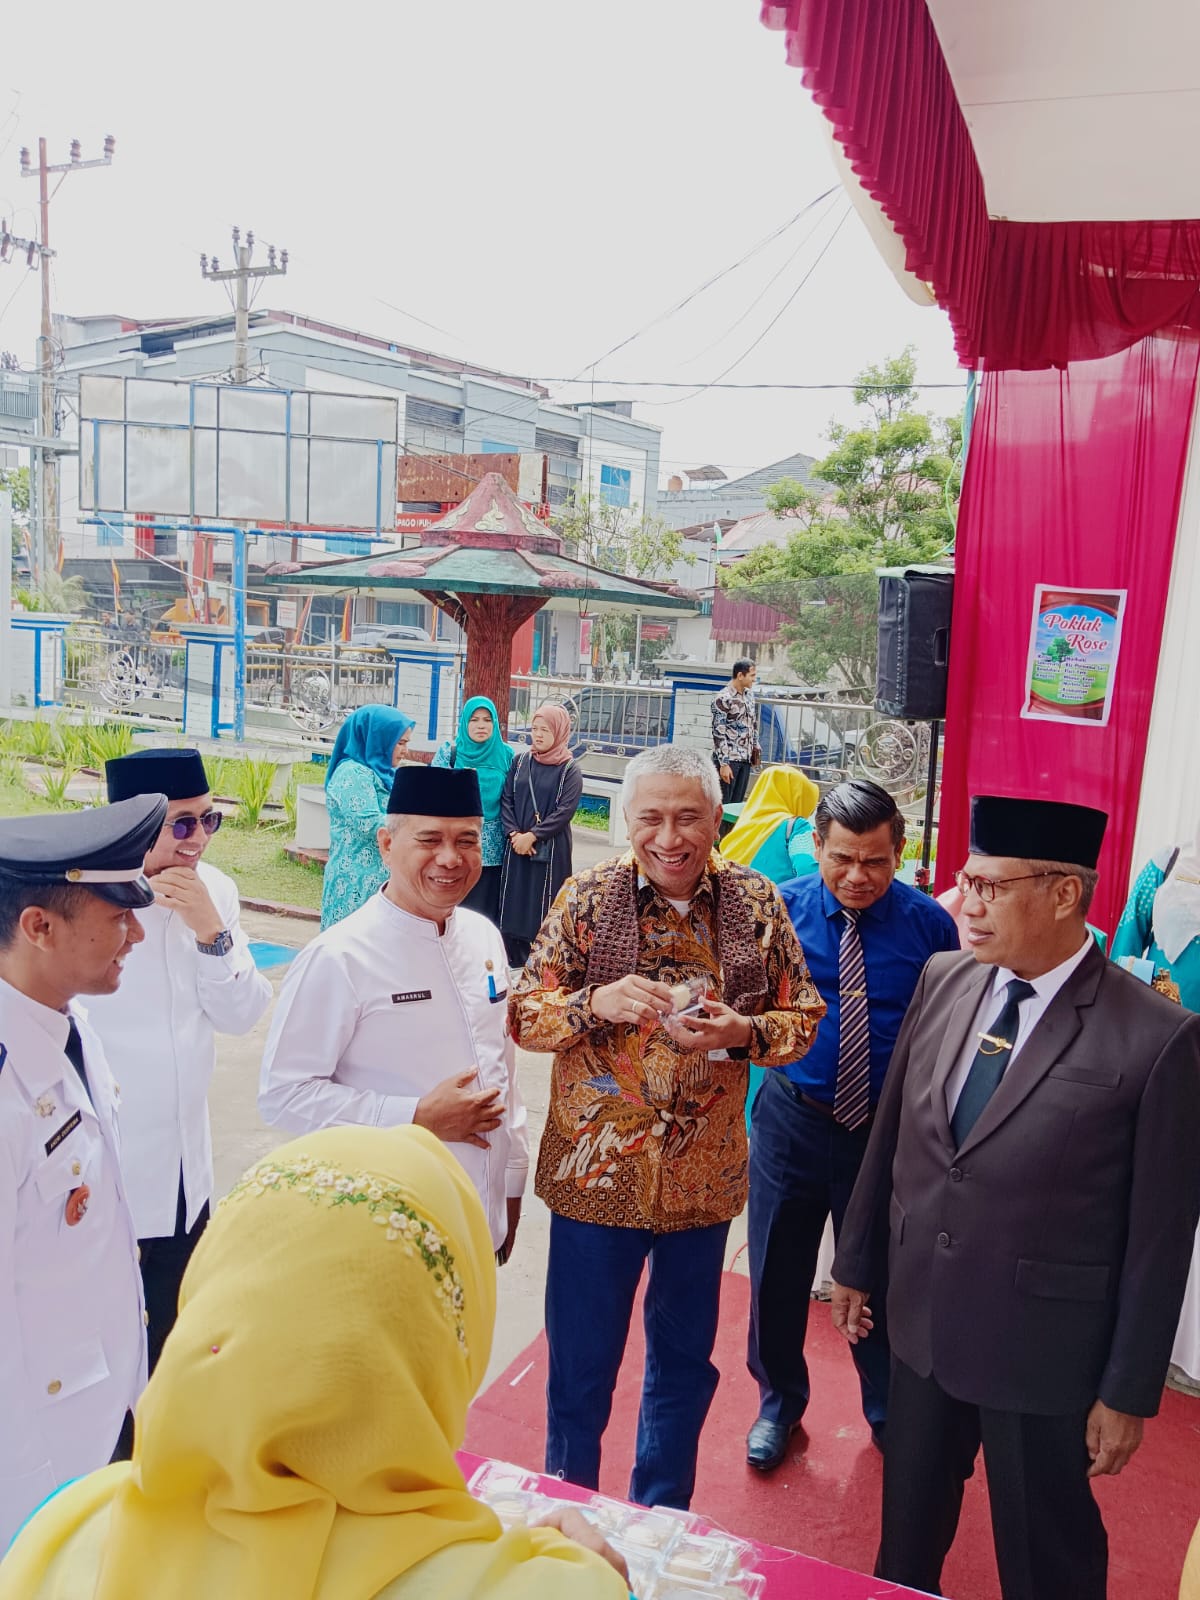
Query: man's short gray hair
(672,761)
(1088,878)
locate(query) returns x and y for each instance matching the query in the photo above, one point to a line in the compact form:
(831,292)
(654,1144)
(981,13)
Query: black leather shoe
(767,1444)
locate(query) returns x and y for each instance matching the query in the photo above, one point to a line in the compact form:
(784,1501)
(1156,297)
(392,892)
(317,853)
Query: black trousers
(803,1166)
(1050,1541)
(735,790)
(164,1262)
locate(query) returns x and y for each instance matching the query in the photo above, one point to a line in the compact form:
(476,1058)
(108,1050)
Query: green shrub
(291,804)
(223,774)
(108,742)
(40,739)
(56,781)
(253,789)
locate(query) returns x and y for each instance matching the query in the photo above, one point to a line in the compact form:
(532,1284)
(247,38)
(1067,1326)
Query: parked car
(377,636)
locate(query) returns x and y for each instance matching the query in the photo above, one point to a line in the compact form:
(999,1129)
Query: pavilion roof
(466,569)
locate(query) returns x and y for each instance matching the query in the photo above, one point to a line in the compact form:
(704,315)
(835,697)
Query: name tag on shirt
(407,995)
(68,1127)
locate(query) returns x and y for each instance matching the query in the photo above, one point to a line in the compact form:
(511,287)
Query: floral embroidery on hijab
(386,1205)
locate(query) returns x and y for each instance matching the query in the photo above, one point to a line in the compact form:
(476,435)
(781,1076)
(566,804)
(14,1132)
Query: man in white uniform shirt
(191,978)
(72,1334)
(398,1013)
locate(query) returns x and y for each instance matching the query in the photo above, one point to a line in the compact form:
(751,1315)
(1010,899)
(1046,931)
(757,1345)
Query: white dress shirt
(1029,1013)
(377,1011)
(159,1032)
(72,1331)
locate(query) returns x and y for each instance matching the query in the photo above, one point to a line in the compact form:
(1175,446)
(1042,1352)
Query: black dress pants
(164,1262)
(735,790)
(1050,1541)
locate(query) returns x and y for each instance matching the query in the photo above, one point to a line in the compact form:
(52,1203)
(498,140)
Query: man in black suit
(1032,1173)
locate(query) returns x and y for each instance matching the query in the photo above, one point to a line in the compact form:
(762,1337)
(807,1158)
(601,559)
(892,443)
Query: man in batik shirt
(644,1154)
(735,732)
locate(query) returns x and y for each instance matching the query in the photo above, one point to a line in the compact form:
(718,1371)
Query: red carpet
(824,1500)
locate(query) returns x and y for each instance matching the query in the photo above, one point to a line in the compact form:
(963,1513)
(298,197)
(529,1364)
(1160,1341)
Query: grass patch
(592,812)
(16,800)
(255,860)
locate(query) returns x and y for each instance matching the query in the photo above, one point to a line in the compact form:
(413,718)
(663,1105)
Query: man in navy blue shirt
(866,938)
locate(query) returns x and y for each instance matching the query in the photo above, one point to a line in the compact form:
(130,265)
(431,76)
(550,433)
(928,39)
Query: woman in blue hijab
(481,745)
(370,743)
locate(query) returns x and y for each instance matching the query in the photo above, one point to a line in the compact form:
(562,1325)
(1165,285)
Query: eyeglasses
(986,888)
(185,827)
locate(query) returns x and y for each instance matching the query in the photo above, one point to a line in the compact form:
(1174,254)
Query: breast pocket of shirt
(67,1169)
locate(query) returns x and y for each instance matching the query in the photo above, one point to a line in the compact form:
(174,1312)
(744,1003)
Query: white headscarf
(1176,919)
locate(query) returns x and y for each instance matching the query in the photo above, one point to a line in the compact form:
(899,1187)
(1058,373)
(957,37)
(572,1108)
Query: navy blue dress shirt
(899,933)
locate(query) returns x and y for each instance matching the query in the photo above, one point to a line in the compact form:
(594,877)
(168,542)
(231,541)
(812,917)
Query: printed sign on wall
(1074,642)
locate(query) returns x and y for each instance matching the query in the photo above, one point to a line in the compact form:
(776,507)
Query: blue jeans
(802,1169)
(591,1282)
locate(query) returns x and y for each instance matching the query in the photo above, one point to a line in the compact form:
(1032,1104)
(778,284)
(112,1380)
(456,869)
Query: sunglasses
(185,827)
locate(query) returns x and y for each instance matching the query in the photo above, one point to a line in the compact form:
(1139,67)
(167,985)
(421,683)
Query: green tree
(890,498)
(620,539)
(1060,648)
(16,481)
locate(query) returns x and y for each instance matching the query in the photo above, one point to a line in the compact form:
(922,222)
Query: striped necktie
(852,1097)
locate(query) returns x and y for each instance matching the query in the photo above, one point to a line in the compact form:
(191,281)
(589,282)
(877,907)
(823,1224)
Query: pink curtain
(1072,291)
(876,69)
(1022,295)
(1074,480)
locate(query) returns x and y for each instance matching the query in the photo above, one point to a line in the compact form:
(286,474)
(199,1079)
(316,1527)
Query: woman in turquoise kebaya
(369,745)
(481,745)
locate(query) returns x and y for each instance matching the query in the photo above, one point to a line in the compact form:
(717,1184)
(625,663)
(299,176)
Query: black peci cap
(179,774)
(1036,830)
(435,792)
(102,850)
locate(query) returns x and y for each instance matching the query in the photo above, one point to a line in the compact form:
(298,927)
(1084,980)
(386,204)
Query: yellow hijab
(779,794)
(298,1436)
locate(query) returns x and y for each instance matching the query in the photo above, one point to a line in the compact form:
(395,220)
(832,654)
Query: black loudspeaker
(914,643)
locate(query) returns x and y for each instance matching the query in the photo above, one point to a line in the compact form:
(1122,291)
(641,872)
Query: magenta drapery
(876,69)
(1073,479)
(1074,291)
(1020,295)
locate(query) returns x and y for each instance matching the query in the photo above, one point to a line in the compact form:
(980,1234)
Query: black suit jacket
(1043,1264)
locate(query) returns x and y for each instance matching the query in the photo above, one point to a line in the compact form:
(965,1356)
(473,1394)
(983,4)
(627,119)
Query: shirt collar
(881,911)
(57,1024)
(1048,985)
(404,921)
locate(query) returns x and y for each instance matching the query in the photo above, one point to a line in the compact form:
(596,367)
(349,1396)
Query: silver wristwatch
(221,945)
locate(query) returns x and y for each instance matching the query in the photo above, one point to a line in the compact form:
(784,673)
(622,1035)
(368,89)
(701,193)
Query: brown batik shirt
(642,1133)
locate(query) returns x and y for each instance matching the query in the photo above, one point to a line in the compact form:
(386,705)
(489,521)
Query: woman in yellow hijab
(773,834)
(297,1439)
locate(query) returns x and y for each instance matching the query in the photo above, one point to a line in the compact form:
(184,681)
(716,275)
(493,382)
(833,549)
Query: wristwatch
(221,945)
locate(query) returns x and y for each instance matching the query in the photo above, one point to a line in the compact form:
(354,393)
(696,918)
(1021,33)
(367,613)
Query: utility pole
(240,276)
(48,502)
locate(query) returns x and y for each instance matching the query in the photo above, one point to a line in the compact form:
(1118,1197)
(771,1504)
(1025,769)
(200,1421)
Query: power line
(762,294)
(750,348)
(707,284)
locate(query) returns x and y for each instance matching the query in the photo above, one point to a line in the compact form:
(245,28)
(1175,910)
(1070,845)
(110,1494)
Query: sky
(519,183)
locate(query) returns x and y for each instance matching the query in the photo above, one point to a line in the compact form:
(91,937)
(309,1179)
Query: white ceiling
(1079,109)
